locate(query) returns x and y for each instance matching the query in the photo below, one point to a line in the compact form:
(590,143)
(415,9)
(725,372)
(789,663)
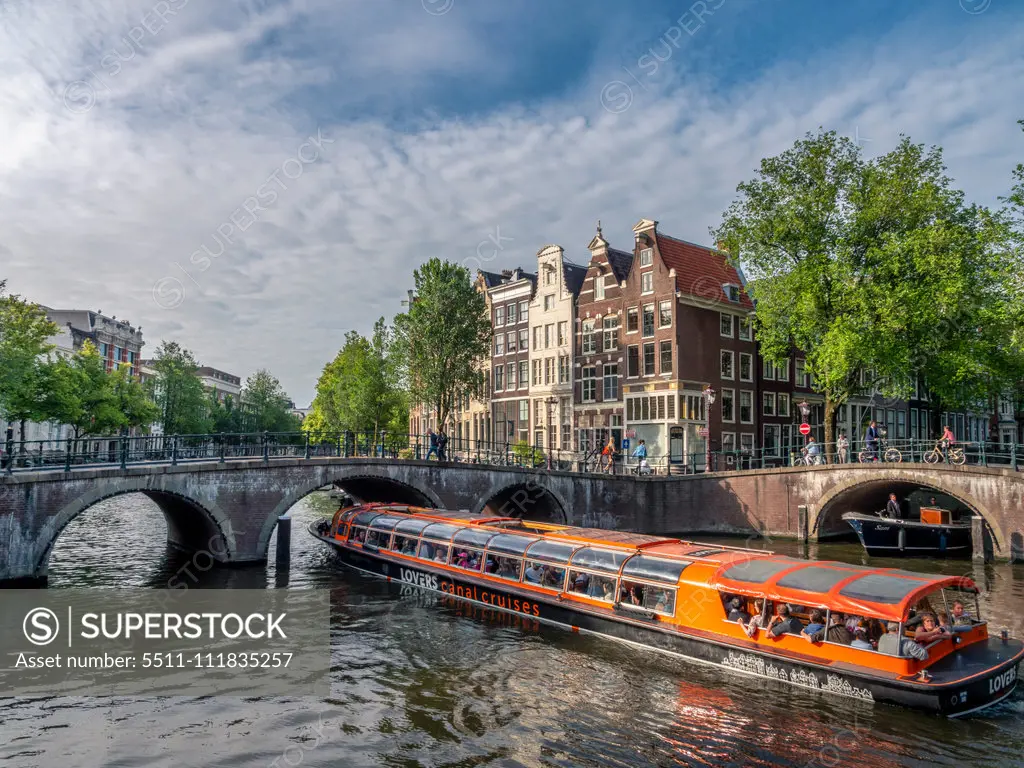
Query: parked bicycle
(886,451)
(953,454)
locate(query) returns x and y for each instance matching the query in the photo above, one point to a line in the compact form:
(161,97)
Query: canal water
(417,682)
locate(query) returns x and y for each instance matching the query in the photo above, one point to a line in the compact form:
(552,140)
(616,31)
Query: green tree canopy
(874,266)
(266,404)
(178,392)
(442,337)
(24,333)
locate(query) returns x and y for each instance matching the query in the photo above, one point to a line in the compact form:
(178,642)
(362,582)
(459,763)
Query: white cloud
(98,206)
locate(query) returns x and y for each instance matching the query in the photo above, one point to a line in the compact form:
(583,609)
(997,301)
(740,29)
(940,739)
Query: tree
(266,404)
(24,333)
(131,400)
(441,338)
(874,266)
(224,416)
(177,391)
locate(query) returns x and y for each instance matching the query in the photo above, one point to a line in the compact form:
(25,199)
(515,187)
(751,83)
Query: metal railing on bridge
(124,451)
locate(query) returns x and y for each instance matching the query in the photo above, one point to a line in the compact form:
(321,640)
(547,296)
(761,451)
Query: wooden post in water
(284,542)
(981,553)
(801,522)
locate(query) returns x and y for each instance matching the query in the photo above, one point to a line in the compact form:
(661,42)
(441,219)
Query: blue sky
(254,177)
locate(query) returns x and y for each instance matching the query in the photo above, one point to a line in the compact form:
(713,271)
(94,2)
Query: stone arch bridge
(230,508)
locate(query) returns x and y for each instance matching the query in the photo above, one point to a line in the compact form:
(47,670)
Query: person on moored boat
(929,630)
(736,612)
(784,623)
(860,639)
(892,507)
(836,632)
(961,619)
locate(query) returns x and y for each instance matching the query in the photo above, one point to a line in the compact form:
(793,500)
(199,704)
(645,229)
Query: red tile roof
(701,272)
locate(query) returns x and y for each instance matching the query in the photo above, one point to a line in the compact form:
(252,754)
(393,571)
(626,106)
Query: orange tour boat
(745,610)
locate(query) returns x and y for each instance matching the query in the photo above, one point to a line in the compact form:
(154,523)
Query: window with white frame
(728,360)
(510,375)
(747,442)
(769,371)
(589,338)
(632,361)
(599,288)
(725,325)
(803,379)
(664,314)
(665,357)
(563,333)
(646,257)
(524,339)
(549,302)
(589,383)
(536,372)
(782,371)
(510,342)
(728,441)
(783,404)
(536,337)
(549,369)
(549,331)
(772,440)
(610,326)
(524,310)
(611,382)
(693,407)
(746,366)
(632,320)
(649,358)
(768,403)
(499,343)
(499,316)
(563,369)
(646,282)
(549,274)
(746,406)
(728,405)
(512,313)
(745,331)
(499,378)
(648,328)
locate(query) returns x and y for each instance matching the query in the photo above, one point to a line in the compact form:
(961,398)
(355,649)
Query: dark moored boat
(671,595)
(934,535)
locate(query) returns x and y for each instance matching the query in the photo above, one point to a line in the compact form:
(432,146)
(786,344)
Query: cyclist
(946,440)
(871,438)
(813,451)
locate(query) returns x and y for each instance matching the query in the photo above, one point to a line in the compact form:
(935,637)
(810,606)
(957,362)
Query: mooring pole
(284,541)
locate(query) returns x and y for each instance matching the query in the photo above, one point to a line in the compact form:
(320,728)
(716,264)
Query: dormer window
(732,292)
(646,257)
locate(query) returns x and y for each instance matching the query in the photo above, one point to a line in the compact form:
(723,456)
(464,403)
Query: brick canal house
(510,356)
(552,318)
(600,363)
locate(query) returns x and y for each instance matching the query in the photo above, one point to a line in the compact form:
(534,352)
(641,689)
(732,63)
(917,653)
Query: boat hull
(882,536)
(952,699)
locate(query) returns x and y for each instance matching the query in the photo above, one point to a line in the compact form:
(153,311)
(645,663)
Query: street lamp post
(709,399)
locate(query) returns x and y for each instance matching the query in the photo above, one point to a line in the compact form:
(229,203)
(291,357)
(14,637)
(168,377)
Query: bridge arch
(352,480)
(528,499)
(191,526)
(867,489)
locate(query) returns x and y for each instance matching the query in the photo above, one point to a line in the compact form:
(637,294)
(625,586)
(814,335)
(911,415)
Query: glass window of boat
(509,544)
(760,570)
(658,598)
(551,551)
(654,569)
(405,545)
(542,574)
(817,578)
(506,567)
(881,588)
(594,585)
(473,537)
(365,517)
(468,558)
(358,534)
(440,531)
(596,559)
(411,526)
(384,523)
(376,538)
(435,551)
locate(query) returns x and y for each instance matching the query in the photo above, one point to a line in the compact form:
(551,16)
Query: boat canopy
(882,593)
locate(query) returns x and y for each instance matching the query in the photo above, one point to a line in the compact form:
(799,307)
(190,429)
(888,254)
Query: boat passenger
(506,568)
(892,644)
(784,623)
(736,612)
(462,559)
(929,630)
(815,625)
(426,551)
(490,566)
(944,621)
(961,619)
(534,573)
(580,583)
(553,577)
(609,590)
(441,554)
(852,622)
(836,633)
(661,604)
(860,639)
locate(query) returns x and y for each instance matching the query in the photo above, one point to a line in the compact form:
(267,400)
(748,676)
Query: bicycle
(887,452)
(953,454)
(806,459)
